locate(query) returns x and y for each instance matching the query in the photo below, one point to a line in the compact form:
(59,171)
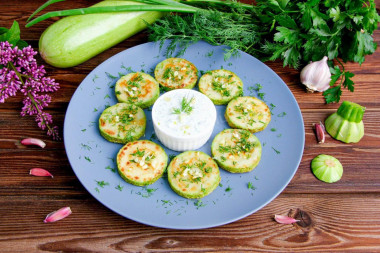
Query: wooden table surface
(344,216)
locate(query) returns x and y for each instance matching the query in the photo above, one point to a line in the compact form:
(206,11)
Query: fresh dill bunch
(235,29)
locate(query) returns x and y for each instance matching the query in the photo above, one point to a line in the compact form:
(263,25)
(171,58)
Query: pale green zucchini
(193,174)
(248,113)
(176,73)
(221,86)
(236,150)
(141,162)
(137,88)
(122,123)
(75,39)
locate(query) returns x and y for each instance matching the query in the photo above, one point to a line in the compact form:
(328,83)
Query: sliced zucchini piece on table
(221,86)
(236,150)
(176,73)
(137,88)
(141,162)
(193,174)
(248,113)
(122,123)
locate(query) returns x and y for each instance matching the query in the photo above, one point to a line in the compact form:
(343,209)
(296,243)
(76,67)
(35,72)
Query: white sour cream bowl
(183,119)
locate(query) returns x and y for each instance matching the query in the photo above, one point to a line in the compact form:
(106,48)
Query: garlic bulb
(316,75)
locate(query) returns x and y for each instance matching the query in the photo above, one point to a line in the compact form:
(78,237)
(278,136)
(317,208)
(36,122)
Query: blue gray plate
(93,158)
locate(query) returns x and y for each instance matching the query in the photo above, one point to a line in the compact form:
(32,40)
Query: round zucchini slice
(122,123)
(236,150)
(248,113)
(221,86)
(193,174)
(141,162)
(137,88)
(176,73)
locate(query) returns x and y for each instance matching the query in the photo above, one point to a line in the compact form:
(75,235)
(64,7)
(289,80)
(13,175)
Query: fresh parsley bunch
(294,31)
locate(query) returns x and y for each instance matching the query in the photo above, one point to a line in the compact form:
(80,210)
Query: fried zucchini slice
(193,174)
(141,162)
(176,73)
(137,88)
(236,150)
(221,86)
(248,113)
(122,123)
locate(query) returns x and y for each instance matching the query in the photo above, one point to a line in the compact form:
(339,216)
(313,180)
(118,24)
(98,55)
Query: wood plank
(327,224)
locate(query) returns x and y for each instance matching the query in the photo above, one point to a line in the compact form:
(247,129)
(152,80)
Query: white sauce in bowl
(183,114)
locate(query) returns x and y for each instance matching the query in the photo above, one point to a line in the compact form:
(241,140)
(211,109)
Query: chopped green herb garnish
(119,187)
(153,137)
(84,130)
(228,189)
(111,169)
(220,185)
(175,174)
(102,183)
(94,78)
(166,202)
(107,96)
(138,153)
(273,129)
(84,146)
(97,190)
(281,114)
(87,158)
(172,156)
(199,203)
(168,73)
(185,106)
(275,150)
(95,109)
(250,186)
(111,76)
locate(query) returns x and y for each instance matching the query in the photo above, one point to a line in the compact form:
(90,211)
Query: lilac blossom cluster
(19,72)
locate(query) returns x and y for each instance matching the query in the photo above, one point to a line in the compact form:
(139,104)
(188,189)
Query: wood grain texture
(339,217)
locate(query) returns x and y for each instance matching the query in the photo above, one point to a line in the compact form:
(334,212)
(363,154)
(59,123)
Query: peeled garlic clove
(316,75)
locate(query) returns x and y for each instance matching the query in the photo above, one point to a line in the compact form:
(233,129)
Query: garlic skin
(316,75)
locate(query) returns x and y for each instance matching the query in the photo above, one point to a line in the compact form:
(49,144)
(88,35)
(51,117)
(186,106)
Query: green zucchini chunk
(75,39)
(221,86)
(193,174)
(137,88)
(141,162)
(122,123)
(346,124)
(176,73)
(236,150)
(327,168)
(248,113)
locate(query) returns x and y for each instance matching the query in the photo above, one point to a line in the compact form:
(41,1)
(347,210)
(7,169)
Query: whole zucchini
(75,39)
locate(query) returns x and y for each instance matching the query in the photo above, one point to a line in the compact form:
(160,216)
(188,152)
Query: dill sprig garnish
(185,106)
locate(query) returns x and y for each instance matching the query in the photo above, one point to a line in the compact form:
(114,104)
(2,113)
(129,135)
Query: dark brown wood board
(340,217)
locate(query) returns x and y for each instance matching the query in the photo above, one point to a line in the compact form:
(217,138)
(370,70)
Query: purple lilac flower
(19,72)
